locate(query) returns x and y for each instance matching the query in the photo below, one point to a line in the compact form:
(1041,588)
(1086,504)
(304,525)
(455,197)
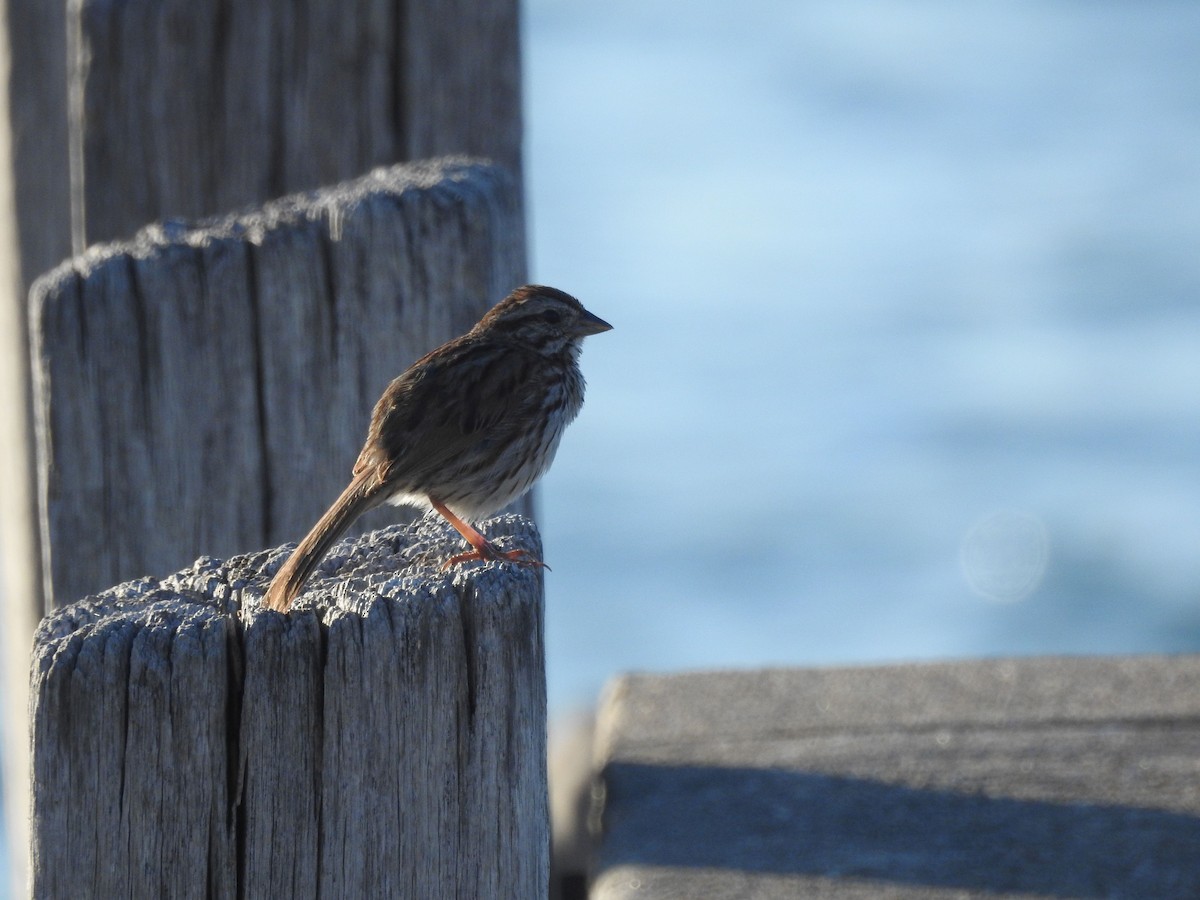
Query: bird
(465,430)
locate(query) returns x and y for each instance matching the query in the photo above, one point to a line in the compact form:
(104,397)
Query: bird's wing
(453,399)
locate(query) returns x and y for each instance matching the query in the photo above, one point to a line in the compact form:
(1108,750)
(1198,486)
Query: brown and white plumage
(466,429)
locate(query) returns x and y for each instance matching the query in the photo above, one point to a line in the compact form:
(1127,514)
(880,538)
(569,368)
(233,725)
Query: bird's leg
(483,548)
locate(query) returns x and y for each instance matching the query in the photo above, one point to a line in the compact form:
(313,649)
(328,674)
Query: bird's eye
(552,317)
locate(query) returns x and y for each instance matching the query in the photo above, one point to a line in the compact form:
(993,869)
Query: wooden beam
(1050,777)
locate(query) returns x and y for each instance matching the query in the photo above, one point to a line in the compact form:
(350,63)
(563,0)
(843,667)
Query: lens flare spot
(1004,555)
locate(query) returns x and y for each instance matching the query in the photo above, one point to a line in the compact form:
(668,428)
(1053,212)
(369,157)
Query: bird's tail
(358,497)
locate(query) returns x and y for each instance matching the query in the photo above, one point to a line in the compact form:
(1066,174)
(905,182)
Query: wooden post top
(385,738)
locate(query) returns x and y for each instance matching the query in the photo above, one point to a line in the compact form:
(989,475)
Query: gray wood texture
(122,113)
(34,235)
(188,108)
(125,113)
(385,739)
(1002,778)
(207,389)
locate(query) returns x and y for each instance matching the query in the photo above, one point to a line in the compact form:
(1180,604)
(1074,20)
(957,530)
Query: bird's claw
(489,553)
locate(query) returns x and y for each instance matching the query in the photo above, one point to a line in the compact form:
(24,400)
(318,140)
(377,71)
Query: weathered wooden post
(385,739)
(399,717)
(209,387)
(123,113)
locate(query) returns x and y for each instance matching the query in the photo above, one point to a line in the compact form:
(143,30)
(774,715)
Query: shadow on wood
(385,739)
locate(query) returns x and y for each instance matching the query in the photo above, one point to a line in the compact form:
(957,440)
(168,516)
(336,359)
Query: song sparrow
(468,428)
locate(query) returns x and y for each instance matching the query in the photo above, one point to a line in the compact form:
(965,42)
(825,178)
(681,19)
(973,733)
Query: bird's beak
(588,324)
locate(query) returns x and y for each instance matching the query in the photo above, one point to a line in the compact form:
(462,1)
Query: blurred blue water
(907,350)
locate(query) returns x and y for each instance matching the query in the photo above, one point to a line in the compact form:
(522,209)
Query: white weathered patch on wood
(385,739)
(208,389)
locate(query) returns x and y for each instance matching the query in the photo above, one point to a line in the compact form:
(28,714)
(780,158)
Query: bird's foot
(488,552)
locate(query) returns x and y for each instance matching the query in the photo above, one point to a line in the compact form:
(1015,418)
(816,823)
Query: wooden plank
(38,119)
(124,113)
(387,739)
(205,390)
(34,235)
(474,106)
(1001,778)
(192,108)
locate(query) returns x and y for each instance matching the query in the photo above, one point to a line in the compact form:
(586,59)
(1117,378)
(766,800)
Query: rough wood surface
(386,739)
(34,235)
(208,389)
(474,105)
(988,779)
(195,107)
(122,113)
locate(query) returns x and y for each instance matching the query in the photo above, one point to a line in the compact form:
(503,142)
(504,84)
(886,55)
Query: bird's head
(543,318)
